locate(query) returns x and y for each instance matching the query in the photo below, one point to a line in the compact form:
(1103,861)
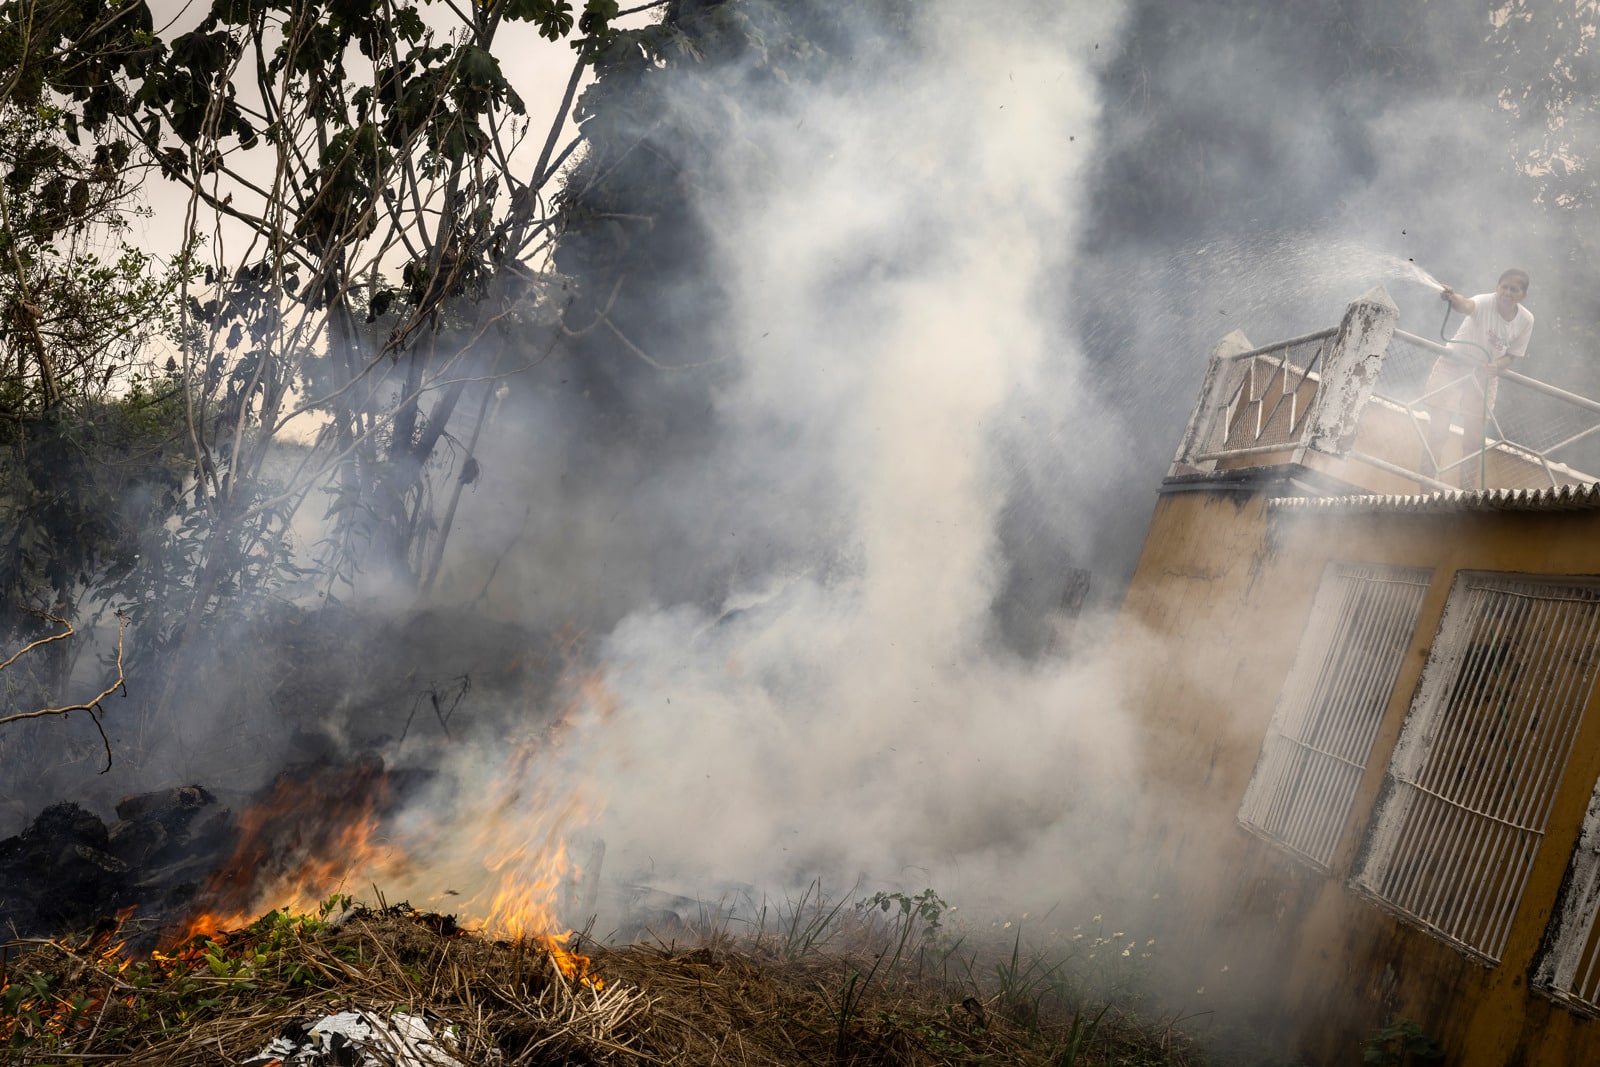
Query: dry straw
(722,1001)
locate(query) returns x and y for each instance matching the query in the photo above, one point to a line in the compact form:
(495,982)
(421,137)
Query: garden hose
(1483,418)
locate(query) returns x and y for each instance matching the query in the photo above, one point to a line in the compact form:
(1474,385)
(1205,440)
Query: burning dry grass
(724,1001)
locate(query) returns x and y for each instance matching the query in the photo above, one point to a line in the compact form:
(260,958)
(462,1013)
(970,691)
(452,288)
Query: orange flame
(319,833)
(520,834)
(57,1015)
(308,838)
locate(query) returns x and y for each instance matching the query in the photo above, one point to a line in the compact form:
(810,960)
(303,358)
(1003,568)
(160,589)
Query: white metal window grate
(1316,749)
(1570,968)
(1477,765)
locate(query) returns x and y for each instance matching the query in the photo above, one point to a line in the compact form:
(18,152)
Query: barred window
(1316,749)
(1570,969)
(1476,768)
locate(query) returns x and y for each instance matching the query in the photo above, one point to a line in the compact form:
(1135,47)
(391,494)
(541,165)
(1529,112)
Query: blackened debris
(68,869)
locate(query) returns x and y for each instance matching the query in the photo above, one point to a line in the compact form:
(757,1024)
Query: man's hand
(1460,303)
(1492,368)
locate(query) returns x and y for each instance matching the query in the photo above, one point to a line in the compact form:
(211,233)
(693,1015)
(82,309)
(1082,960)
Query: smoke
(1235,169)
(889,369)
(964,305)
(963,302)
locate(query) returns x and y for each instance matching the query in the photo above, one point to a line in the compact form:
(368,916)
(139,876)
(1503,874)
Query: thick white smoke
(853,716)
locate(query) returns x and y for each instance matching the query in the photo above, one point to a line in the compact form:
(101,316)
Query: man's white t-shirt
(1486,327)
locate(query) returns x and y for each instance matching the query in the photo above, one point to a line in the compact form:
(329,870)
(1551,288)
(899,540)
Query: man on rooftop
(1493,335)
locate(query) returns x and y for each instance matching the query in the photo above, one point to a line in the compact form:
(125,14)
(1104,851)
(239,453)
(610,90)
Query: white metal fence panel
(1328,714)
(1484,747)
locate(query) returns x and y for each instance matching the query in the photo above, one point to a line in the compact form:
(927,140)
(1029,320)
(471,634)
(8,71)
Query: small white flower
(1127,952)
(1224,968)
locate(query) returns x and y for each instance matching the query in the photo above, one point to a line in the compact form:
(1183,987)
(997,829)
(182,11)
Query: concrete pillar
(1350,370)
(1214,393)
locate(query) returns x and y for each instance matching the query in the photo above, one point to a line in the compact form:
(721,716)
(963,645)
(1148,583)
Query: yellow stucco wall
(1213,617)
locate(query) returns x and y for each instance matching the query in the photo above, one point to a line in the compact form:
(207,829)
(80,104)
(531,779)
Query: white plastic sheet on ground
(356,1039)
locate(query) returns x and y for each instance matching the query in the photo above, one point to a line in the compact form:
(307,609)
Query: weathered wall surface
(1208,662)
(1213,618)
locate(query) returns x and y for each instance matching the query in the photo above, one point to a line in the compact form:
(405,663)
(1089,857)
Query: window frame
(1441,849)
(1319,743)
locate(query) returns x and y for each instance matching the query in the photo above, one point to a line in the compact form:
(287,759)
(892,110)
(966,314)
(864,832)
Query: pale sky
(537,68)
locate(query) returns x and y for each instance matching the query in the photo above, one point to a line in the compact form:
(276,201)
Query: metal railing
(1332,704)
(1569,968)
(1433,420)
(1267,393)
(1474,431)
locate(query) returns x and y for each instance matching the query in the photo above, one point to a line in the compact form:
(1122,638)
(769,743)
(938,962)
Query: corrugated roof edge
(1560,498)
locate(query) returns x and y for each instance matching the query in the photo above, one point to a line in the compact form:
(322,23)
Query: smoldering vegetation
(767,998)
(808,672)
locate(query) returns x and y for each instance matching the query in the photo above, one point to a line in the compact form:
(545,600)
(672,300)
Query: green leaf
(553,17)
(478,69)
(597,16)
(408,25)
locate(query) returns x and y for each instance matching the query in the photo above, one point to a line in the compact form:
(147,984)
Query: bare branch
(652,361)
(91,706)
(68,632)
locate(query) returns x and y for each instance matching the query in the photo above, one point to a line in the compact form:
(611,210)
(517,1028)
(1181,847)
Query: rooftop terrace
(1360,405)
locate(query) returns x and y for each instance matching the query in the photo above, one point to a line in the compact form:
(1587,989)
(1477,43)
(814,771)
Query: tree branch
(43,640)
(91,706)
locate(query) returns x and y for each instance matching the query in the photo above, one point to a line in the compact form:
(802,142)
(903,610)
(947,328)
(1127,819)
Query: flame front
(520,835)
(504,849)
(308,839)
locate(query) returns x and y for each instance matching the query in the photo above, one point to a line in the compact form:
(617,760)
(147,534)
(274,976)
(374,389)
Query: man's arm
(1463,304)
(1518,347)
